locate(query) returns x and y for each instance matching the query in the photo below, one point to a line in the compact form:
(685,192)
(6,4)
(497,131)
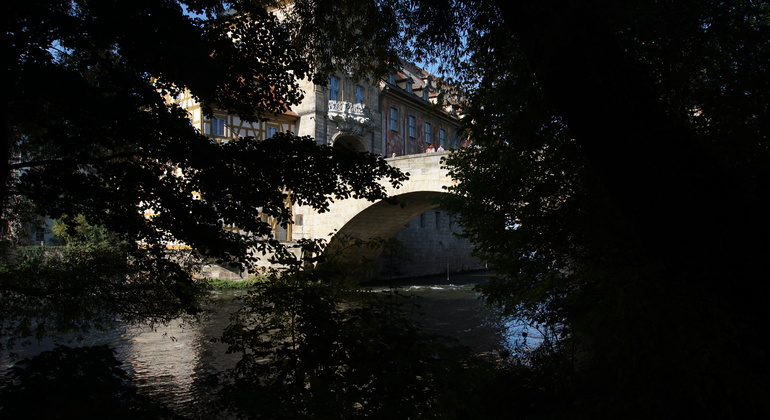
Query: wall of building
(402,141)
(317,120)
(312,112)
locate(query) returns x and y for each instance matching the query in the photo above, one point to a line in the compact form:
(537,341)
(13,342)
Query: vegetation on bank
(225,284)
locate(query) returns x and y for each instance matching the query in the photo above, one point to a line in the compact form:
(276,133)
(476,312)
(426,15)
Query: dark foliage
(75,383)
(619,185)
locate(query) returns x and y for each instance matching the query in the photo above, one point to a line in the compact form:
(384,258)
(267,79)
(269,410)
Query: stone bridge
(430,241)
(426,233)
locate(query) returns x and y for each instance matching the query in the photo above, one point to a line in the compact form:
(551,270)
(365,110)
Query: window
(411,126)
(334,88)
(281,232)
(391,78)
(218,126)
(359,94)
(428,137)
(409,85)
(441,136)
(425,94)
(394,119)
(272,131)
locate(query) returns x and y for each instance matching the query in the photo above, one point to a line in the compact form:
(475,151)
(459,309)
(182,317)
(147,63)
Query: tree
(619,185)
(89,133)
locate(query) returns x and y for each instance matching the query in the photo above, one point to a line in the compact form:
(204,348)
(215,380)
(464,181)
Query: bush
(224,284)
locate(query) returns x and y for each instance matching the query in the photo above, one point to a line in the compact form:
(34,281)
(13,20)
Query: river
(451,307)
(170,363)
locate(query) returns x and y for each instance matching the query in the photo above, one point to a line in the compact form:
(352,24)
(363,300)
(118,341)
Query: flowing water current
(172,362)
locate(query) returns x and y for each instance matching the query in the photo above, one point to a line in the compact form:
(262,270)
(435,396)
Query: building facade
(414,117)
(401,114)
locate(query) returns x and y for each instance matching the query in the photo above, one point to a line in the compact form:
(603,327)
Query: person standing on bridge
(430,149)
(440,148)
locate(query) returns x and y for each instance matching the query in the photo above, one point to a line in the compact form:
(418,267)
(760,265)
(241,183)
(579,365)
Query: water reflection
(164,362)
(170,363)
(173,363)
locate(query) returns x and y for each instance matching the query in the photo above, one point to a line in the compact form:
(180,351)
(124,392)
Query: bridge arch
(383,219)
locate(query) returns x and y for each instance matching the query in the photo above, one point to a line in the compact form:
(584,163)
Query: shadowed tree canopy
(89,133)
(620,185)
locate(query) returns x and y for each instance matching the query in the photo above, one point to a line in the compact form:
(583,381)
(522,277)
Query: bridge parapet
(425,172)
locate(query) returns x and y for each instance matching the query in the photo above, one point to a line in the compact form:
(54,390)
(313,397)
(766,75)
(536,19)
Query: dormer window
(409,85)
(425,93)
